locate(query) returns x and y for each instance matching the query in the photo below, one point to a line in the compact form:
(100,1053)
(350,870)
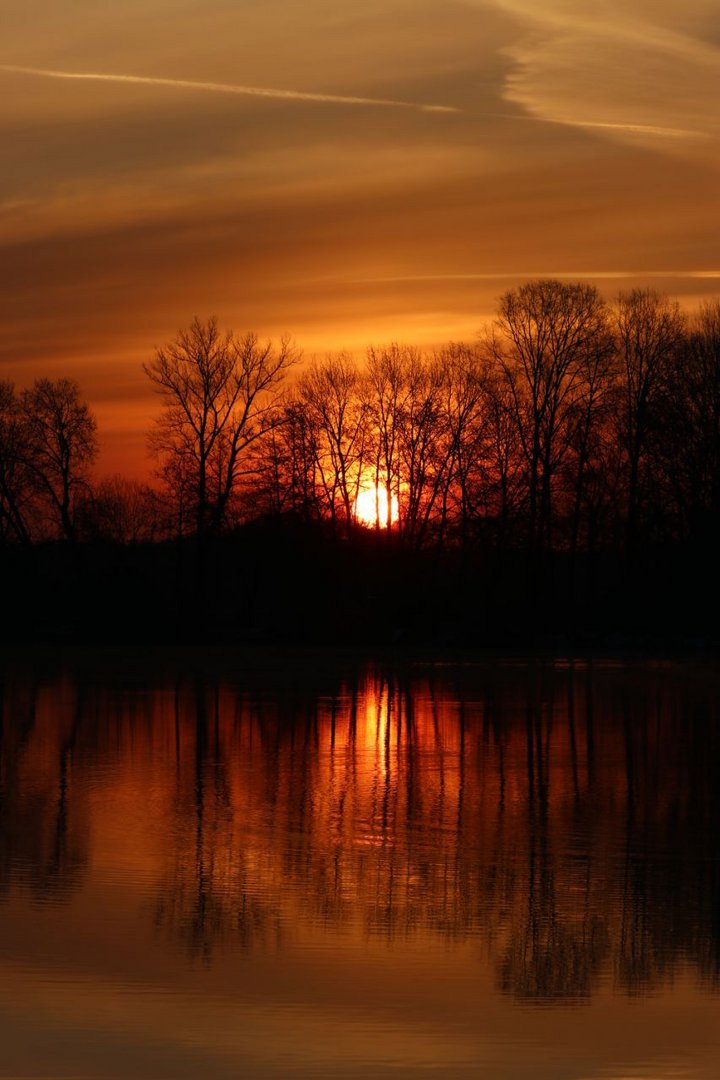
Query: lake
(291,864)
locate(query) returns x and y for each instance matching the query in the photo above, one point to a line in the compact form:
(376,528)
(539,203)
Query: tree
(60,436)
(219,396)
(650,330)
(385,396)
(545,332)
(589,454)
(123,511)
(328,398)
(690,424)
(289,455)
(424,447)
(494,479)
(15,479)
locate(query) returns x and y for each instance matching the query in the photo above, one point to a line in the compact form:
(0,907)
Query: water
(293,865)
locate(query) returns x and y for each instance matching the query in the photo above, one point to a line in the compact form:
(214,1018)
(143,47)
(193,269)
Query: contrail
(699,275)
(227,88)
(634,129)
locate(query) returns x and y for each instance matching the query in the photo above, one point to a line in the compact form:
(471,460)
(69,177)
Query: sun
(371,507)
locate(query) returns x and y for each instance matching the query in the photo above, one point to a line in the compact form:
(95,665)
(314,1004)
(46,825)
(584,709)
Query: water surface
(299,865)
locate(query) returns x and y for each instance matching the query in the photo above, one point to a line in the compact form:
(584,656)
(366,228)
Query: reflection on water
(553,831)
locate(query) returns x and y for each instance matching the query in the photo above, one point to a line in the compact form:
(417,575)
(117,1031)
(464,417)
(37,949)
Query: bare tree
(219,395)
(544,333)
(498,482)
(385,395)
(296,462)
(588,420)
(424,444)
(328,398)
(283,470)
(16,485)
(689,449)
(650,329)
(463,421)
(60,447)
(124,511)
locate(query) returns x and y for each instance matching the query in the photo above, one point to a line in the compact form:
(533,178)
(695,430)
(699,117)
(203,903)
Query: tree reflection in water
(566,818)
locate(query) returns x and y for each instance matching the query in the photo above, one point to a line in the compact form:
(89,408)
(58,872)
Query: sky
(343,172)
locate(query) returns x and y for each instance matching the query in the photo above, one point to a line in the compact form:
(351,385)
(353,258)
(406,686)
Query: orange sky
(338,207)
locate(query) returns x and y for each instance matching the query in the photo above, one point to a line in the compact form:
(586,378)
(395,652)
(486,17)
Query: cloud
(573,275)
(225,88)
(620,128)
(636,76)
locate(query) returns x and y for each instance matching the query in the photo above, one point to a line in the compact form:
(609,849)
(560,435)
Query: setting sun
(371,507)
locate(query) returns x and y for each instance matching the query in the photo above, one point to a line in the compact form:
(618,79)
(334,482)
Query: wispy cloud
(225,88)
(574,275)
(634,76)
(627,128)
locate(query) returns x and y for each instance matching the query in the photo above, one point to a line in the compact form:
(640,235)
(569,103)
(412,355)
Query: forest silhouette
(556,480)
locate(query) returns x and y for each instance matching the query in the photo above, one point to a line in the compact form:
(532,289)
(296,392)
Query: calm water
(293,866)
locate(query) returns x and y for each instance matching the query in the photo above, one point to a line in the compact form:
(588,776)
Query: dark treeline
(559,477)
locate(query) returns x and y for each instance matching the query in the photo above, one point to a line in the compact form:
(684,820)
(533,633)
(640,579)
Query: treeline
(574,425)
(575,446)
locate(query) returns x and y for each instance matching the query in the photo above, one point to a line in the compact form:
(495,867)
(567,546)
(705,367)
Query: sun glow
(371,507)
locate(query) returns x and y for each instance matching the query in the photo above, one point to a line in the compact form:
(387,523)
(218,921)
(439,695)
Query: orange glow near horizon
(183,193)
(371,507)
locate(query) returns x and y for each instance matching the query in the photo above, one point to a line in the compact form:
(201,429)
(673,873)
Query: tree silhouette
(425,453)
(327,397)
(649,329)
(60,446)
(689,448)
(545,332)
(124,511)
(15,479)
(565,469)
(219,397)
(386,392)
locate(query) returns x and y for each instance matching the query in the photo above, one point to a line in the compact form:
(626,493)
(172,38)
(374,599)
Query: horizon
(124,451)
